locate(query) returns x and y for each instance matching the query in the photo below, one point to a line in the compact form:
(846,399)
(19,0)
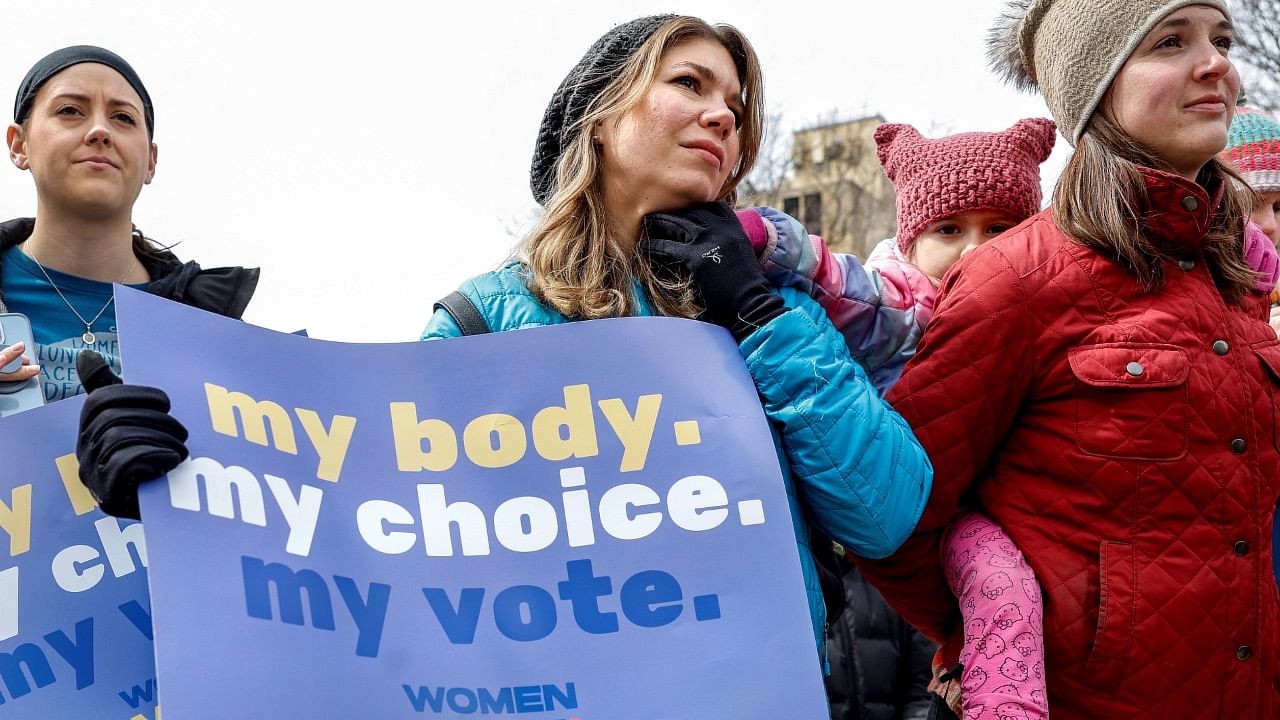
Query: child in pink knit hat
(956,192)
(1253,147)
(953,194)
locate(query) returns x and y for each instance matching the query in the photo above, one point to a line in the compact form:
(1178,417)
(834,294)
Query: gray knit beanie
(593,73)
(1072,49)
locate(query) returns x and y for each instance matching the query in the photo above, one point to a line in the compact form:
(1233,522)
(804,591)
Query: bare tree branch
(1257,24)
(773,163)
(828,177)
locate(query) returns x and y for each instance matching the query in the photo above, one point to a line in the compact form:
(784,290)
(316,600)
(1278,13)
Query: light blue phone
(18,396)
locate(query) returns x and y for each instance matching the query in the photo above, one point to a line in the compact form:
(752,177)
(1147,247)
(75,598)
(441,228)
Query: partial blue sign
(75,620)
(583,522)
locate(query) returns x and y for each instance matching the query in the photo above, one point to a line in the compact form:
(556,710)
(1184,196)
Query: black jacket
(225,291)
(880,665)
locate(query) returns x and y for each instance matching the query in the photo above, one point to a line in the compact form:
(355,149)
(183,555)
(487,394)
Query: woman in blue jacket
(639,152)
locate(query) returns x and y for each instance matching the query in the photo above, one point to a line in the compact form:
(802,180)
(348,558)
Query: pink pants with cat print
(999,598)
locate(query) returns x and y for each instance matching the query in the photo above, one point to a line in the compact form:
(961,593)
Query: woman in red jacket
(1102,382)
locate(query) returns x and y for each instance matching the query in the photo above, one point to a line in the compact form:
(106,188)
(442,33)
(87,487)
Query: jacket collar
(1178,211)
(16,231)
(225,291)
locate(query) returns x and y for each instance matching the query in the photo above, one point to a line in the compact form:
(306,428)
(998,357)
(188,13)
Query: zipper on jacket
(826,649)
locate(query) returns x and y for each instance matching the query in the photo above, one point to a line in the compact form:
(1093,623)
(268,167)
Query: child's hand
(945,684)
(753,226)
(1261,256)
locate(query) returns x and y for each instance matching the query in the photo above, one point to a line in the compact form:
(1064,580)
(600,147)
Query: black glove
(127,436)
(707,242)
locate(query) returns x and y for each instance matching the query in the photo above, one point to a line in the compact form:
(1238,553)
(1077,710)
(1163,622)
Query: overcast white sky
(369,156)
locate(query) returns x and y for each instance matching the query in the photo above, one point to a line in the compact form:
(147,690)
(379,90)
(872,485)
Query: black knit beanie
(599,67)
(59,60)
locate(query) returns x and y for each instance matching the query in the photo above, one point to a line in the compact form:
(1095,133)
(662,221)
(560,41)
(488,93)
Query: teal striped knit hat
(1253,147)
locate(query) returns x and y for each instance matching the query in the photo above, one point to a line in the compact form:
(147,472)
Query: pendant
(88,337)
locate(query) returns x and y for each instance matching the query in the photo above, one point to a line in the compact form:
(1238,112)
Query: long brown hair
(1099,197)
(575,263)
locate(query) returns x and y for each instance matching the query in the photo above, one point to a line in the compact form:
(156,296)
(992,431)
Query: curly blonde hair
(576,264)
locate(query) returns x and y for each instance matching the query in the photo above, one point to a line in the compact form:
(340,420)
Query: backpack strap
(463,312)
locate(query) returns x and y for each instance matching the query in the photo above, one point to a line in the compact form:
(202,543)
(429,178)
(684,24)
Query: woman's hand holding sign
(126,436)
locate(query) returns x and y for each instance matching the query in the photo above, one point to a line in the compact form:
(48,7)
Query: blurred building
(835,186)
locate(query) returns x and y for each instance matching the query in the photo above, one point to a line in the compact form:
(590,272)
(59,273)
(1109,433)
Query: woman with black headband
(83,126)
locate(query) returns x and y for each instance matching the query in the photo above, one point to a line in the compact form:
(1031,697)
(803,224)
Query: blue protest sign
(584,521)
(75,625)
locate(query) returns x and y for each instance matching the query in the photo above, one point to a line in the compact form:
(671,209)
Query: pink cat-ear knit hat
(937,178)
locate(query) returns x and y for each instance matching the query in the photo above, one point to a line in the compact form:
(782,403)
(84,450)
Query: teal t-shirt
(58,332)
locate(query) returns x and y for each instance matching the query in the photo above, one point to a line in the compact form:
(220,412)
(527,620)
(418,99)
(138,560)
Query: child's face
(944,241)
(1267,215)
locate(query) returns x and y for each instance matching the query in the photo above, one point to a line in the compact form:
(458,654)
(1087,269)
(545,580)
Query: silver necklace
(88,337)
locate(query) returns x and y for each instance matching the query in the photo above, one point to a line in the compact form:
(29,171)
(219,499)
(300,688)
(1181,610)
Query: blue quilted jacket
(848,459)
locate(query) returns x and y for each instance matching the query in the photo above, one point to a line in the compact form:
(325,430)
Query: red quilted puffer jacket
(1128,442)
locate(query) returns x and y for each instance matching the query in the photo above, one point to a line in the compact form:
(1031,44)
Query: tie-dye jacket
(880,307)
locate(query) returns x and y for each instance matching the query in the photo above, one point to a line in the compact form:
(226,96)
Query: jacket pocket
(1269,353)
(1117,574)
(1131,400)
